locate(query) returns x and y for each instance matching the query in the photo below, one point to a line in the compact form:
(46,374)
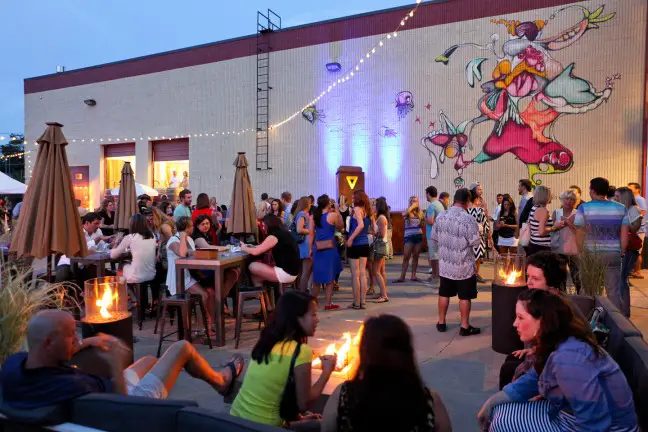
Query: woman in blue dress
(301,225)
(326,259)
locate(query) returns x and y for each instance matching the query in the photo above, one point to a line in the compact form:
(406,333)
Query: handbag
(288,408)
(525,235)
(634,242)
(299,238)
(322,245)
(379,248)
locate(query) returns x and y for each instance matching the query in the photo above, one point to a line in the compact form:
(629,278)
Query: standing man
(184,208)
(456,233)
(525,189)
(444,198)
(641,203)
(601,231)
(262,207)
(286,200)
(174,183)
(434,209)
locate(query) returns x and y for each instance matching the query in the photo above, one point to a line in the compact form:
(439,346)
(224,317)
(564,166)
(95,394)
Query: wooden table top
(225,259)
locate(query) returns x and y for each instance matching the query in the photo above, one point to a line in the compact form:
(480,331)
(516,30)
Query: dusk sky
(41,34)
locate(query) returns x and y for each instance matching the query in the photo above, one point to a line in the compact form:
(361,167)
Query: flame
(511,277)
(106,300)
(345,354)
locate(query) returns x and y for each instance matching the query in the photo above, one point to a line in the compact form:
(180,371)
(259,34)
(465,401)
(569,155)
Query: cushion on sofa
(119,413)
(620,327)
(195,419)
(632,358)
(585,303)
(44,416)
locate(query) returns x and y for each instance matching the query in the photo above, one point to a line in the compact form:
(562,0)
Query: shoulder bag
(299,238)
(288,408)
(525,235)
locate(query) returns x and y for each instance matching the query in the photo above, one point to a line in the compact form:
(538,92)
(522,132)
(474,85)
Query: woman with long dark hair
(203,207)
(167,209)
(358,247)
(413,239)
(294,321)
(380,248)
(107,214)
(387,377)
(141,243)
(285,253)
(326,259)
(506,226)
(301,224)
(277,208)
(573,385)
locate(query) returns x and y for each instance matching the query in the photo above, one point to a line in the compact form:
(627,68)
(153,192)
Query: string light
(14,155)
(121,139)
(349,73)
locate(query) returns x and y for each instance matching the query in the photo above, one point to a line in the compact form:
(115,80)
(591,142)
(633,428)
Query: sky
(42,34)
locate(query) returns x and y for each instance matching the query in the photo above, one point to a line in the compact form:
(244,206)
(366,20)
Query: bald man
(41,377)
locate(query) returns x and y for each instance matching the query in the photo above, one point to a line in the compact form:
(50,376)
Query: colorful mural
(404,104)
(525,75)
(312,114)
(387,132)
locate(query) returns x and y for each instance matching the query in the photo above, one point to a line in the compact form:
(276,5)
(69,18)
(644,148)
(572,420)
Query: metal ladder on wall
(266,26)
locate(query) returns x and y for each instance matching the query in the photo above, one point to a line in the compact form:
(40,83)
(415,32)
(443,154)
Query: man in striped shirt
(603,230)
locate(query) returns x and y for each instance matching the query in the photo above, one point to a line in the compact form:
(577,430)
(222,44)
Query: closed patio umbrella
(49,219)
(127,201)
(242,216)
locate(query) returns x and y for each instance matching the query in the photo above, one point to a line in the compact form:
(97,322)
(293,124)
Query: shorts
(284,277)
(360,251)
(414,239)
(507,241)
(465,288)
(149,386)
(433,250)
(642,236)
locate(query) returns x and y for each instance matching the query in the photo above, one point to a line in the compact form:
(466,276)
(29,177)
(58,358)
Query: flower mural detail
(387,132)
(450,143)
(404,103)
(529,90)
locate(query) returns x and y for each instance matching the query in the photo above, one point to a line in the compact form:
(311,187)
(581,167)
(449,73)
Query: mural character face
(404,104)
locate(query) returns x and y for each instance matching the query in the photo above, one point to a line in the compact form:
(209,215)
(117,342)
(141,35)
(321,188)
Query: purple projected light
(333,67)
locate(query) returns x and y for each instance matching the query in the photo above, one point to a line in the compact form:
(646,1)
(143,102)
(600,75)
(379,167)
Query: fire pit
(509,282)
(106,309)
(348,357)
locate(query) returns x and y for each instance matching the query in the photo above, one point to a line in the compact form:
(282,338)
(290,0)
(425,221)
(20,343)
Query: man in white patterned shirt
(455,233)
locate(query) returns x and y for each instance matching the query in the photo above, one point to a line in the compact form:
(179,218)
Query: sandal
(398,281)
(363,305)
(354,306)
(235,365)
(371,291)
(415,279)
(381,299)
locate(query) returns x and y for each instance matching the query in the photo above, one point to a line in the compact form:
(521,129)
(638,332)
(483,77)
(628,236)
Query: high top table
(218,266)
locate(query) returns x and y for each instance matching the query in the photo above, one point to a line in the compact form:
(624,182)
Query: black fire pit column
(508,283)
(106,310)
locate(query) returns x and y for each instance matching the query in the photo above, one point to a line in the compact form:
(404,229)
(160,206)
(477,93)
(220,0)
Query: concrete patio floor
(464,370)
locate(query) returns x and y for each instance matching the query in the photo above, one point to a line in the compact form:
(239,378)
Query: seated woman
(573,385)
(181,245)
(545,271)
(387,377)
(142,246)
(203,207)
(202,236)
(294,321)
(285,253)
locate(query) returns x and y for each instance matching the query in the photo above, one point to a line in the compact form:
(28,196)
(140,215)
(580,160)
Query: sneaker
(429,271)
(636,275)
(470,331)
(441,327)
(331,306)
(480,279)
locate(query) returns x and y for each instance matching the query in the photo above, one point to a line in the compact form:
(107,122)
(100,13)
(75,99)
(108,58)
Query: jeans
(612,263)
(572,262)
(627,263)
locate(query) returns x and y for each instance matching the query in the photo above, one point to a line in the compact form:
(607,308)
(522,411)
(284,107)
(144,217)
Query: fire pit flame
(511,277)
(345,354)
(106,301)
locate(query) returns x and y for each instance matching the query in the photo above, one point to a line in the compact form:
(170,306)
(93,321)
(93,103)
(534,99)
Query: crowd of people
(562,379)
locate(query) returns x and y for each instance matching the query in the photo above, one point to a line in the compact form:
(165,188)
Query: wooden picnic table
(218,266)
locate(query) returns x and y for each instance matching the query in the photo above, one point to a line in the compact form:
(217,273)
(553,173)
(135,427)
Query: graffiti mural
(404,104)
(312,114)
(524,75)
(450,143)
(387,132)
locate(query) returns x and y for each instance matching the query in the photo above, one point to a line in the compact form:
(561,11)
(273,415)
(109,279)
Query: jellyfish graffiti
(387,132)
(312,114)
(404,103)
(529,91)
(450,143)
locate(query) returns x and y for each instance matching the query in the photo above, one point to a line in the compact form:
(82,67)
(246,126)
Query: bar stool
(140,290)
(186,304)
(243,296)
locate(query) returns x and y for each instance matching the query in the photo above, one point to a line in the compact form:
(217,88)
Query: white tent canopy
(11,186)
(140,189)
